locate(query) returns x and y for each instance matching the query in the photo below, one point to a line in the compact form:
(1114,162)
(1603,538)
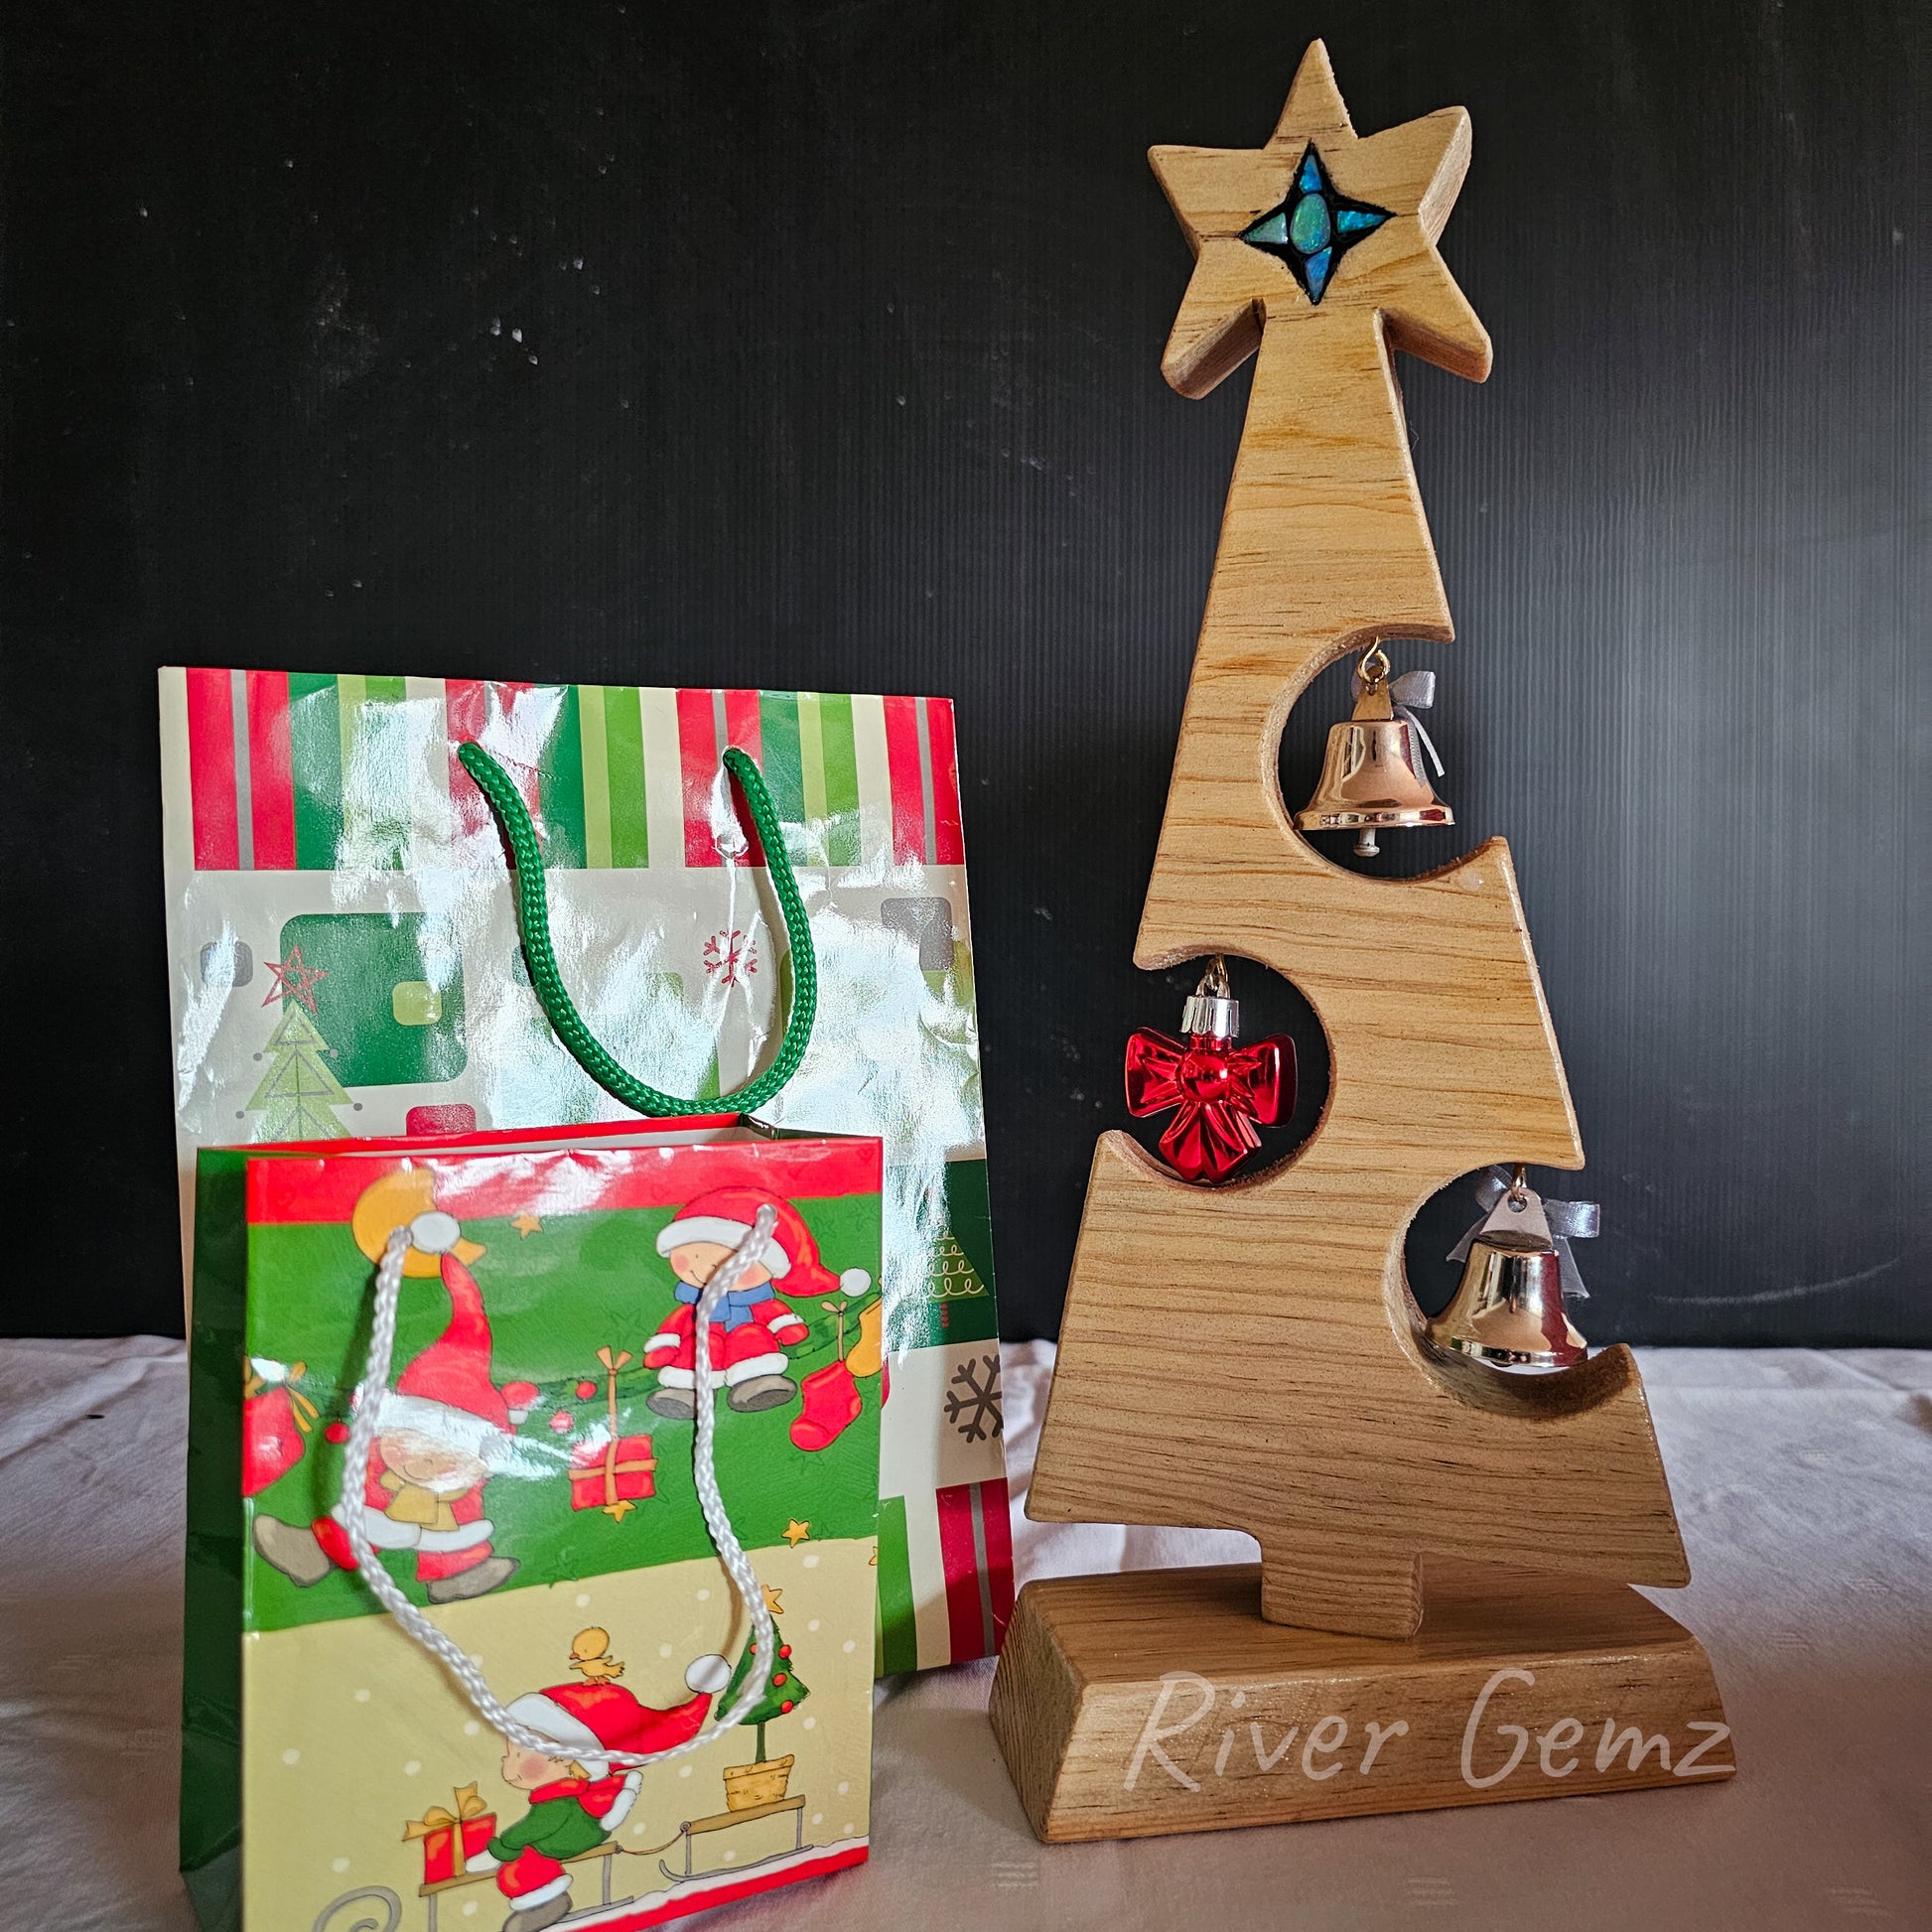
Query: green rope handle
(533,923)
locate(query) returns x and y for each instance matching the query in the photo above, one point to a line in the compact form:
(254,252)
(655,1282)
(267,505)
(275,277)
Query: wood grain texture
(1250,1357)
(1158,1701)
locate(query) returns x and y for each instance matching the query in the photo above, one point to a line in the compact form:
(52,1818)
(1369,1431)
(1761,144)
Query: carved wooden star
(1364,246)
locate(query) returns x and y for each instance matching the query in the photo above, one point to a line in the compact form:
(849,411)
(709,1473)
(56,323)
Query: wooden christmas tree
(1249,1356)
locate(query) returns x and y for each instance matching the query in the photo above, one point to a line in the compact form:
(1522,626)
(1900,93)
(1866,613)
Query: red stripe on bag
(474,1140)
(963,1618)
(470,707)
(997,1525)
(524,774)
(948,836)
(909,796)
(210,770)
(729,1890)
(742,728)
(271,770)
(289,1190)
(697,753)
(465,710)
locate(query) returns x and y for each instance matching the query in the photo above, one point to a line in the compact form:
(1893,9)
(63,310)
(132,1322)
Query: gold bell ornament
(1517,1267)
(1372,775)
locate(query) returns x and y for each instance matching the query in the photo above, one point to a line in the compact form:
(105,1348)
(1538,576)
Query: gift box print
(439,1829)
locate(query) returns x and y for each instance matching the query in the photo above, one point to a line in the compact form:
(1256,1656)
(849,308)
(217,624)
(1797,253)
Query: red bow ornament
(1218,1091)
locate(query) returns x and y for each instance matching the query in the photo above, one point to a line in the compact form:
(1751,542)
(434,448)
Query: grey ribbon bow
(1570,1220)
(1413,691)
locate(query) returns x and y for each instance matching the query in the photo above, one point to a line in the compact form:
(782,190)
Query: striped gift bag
(344,962)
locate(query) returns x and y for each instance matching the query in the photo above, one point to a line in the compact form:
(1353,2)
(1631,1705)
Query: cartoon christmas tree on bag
(299,1093)
(950,1275)
(764,1781)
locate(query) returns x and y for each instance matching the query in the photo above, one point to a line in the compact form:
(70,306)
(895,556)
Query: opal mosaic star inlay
(1312,226)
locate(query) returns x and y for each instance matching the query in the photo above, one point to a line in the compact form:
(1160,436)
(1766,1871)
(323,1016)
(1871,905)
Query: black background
(828,357)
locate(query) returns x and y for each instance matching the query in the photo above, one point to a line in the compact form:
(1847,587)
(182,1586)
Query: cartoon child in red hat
(751,1327)
(576,1799)
(444,1427)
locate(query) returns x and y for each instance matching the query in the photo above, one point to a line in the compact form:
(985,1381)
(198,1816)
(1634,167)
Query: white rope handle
(462,1666)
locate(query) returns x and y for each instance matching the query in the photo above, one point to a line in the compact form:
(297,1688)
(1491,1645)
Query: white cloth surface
(1802,1481)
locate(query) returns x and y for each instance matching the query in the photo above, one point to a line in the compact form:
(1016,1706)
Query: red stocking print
(829,1405)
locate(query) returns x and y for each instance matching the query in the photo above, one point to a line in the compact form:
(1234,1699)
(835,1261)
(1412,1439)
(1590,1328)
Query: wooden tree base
(1159,1701)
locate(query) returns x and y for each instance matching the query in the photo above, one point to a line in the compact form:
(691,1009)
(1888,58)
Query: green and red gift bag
(344,961)
(532,1488)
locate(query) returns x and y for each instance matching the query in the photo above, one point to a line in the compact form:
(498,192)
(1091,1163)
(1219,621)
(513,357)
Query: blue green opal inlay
(1307,226)
(1312,226)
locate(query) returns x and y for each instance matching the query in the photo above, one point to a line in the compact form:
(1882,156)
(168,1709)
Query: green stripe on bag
(316,754)
(842,836)
(811,778)
(211,1745)
(899,1637)
(624,766)
(782,762)
(597,777)
(559,786)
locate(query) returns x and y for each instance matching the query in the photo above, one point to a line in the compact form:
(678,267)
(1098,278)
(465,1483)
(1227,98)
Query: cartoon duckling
(589,1655)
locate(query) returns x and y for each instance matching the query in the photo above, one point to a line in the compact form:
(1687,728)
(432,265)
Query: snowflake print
(731,957)
(979,1400)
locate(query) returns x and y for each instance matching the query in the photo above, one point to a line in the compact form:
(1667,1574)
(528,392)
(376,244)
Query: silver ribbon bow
(1570,1220)
(1413,691)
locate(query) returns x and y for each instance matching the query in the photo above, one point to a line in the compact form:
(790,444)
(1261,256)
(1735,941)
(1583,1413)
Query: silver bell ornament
(1517,1267)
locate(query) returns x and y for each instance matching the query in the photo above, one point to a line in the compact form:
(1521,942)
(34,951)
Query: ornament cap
(1211,1011)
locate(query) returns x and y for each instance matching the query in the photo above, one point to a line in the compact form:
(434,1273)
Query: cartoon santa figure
(751,1327)
(576,1799)
(442,1429)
